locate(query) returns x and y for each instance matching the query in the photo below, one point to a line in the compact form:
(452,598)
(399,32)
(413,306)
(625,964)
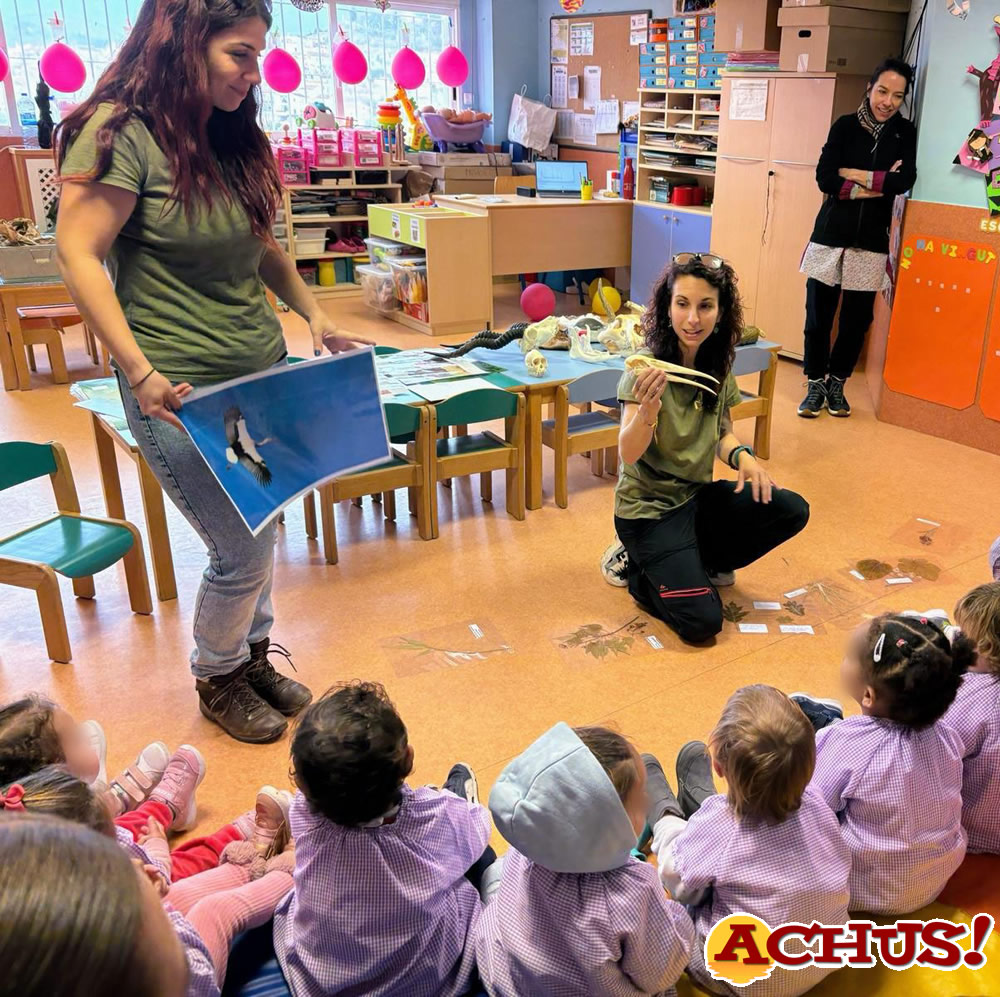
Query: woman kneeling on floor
(682,535)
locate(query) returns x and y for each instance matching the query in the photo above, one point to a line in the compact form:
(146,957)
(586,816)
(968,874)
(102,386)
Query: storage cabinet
(766,195)
(657,234)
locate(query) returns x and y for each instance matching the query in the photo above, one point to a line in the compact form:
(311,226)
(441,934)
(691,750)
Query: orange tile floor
(530,586)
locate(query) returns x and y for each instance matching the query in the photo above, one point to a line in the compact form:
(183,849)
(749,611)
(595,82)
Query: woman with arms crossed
(167,177)
(682,534)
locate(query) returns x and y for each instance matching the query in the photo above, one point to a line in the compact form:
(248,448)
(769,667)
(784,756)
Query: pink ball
(538,301)
(349,63)
(408,69)
(280,71)
(4,65)
(62,69)
(452,67)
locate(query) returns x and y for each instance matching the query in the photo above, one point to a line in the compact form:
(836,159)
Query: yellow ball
(611,296)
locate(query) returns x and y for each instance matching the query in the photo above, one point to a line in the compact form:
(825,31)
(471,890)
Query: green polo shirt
(189,287)
(681,455)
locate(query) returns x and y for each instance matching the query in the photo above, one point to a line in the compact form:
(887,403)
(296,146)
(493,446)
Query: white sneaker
(722,579)
(614,564)
(134,785)
(94,733)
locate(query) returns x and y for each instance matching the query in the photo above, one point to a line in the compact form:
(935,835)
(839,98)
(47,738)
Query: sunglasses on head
(707,260)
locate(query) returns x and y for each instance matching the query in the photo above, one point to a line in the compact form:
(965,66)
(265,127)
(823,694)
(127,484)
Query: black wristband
(145,377)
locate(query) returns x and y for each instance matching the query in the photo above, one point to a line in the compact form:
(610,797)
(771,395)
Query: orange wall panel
(989,394)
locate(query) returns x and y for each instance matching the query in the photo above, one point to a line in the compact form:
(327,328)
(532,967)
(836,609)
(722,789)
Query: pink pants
(193,856)
(223,902)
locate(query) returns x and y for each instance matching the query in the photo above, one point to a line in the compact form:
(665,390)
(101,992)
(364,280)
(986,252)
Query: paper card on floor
(585,129)
(654,642)
(789,628)
(441,390)
(608,117)
(766,605)
(477,631)
(591,87)
(795,592)
(753,628)
(857,574)
(899,581)
(270,437)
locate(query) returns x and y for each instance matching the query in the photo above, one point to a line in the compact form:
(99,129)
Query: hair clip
(901,642)
(877,653)
(12,799)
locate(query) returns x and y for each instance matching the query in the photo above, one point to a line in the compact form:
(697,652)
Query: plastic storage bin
(410,279)
(310,241)
(378,289)
(380,250)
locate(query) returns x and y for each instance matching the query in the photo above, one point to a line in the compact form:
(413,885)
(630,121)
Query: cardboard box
(684,83)
(499,158)
(678,47)
(648,48)
(682,34)
(690,21)
(454,159)
(687,59)
(718,59)
(747,26)
(461,172)
(837,39)
(463,186)
(894,6)
(659,60)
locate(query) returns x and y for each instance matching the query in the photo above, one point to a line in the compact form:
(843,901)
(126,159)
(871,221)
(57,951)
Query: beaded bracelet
(734,455)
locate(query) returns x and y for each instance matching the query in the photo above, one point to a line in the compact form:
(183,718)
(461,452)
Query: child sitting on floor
(894,774)
(995,559)
(575,912)
(218,904)
(771,847)
(975,716)
(381,903)
(154,795)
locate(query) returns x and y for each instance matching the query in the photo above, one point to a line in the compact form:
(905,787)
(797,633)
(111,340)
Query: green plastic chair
(480,453)
(67,544)
(407,469)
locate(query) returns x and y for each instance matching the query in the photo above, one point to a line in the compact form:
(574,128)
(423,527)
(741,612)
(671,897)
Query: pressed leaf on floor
(796,608)
(872,568)
(733,612)
(598,643)
(920,567)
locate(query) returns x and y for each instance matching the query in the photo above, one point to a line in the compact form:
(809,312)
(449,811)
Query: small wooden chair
(751,360)
(409,424)
(67,543)
(44,325)
(481,453)
(589,432)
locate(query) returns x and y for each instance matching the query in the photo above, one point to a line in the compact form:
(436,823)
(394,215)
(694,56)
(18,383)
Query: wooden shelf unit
(679,115)
(347,182)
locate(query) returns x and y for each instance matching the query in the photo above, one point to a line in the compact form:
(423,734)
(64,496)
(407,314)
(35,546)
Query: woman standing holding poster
(168,178)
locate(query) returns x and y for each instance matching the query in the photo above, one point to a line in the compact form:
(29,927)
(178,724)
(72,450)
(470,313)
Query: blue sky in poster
(307,422)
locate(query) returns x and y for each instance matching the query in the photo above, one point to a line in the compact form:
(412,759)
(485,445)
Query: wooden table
(106,438)
(13,361)
(544,234)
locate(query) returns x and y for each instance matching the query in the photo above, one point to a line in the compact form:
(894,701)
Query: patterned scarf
(867,119)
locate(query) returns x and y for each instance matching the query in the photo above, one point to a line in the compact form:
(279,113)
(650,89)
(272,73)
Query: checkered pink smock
(201,971)
(383,910)
(975,717)
(898,793)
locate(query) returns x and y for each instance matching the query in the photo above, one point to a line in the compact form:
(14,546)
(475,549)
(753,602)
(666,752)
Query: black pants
(718,530)
(856,311)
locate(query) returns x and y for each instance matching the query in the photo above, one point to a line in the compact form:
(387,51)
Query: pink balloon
(408,69)
(280,71)
(538,301)
(4,65)
(452,67)
(349,63)
(62,68)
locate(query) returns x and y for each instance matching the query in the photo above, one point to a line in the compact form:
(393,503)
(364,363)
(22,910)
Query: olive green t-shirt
(679,458)
(189,287)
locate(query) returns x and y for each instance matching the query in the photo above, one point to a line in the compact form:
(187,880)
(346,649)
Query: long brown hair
(160,76)
(72,912)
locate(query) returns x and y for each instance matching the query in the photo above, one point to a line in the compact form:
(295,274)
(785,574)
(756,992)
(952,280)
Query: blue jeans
(233,607)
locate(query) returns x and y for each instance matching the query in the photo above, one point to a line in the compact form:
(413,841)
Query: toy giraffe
(420,141)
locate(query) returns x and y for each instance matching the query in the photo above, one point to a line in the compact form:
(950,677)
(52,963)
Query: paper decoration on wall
(958,8)
(383,4)
(981,149)
(571,6)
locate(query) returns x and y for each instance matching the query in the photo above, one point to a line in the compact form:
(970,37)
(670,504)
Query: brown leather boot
(230,702)
(286,695)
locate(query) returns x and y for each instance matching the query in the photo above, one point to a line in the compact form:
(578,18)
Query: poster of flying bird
(271,437)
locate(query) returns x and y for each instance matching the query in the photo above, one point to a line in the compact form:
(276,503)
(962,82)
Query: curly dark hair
(715,355)
(350,753)
(918,671)
(28,738)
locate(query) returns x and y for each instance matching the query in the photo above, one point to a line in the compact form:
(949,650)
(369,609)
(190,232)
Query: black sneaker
(814,401)
(462,782)
(835,400)
(286,695)
(821,712)
(662,802)
(230,702)
(694,776)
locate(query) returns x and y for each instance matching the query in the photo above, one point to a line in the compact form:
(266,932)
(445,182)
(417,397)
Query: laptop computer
(559,179)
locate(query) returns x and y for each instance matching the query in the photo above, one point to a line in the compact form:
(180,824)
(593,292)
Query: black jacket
(863,224)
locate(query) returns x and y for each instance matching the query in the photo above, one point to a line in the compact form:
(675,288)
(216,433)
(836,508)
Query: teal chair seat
(72,547)
(584,422)
(456,446)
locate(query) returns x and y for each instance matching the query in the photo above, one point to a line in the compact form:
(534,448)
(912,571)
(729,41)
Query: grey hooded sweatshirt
(575,914)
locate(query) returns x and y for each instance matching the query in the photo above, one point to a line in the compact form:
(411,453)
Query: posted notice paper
(748,100)
(559,86)
(591,87)
(559,41)
(607,117)
(581,38)
(585,129)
